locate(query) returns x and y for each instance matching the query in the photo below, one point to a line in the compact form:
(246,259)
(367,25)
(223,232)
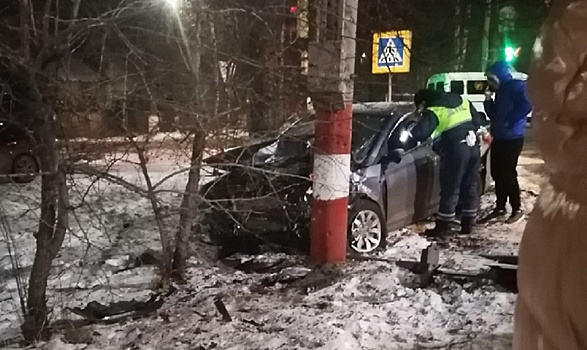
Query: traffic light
(511,53)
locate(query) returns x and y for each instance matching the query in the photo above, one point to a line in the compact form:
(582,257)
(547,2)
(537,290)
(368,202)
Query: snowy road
(369,305)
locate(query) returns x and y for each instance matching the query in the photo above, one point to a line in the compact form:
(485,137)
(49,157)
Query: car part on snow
(118,311)
(427,266)
(503,259)
(222,309)
(502,273)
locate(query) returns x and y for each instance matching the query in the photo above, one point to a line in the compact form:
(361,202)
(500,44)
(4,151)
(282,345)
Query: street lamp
(174,4)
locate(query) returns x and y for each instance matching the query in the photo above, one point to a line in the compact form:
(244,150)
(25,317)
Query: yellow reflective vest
(449,118)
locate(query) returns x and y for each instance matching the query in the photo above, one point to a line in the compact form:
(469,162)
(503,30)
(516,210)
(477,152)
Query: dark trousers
(459,174)
(504,160)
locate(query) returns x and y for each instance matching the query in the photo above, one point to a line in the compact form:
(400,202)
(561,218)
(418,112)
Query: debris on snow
(275,301)
(118,311)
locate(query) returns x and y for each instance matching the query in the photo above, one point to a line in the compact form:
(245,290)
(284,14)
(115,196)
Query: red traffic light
(293,9)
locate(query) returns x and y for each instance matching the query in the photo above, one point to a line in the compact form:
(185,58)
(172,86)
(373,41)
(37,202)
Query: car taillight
(487,138)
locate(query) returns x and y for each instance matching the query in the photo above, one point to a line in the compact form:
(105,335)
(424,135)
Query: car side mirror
(396,155)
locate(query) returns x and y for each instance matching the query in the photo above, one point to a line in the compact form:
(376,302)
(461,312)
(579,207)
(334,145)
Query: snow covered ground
(363,305)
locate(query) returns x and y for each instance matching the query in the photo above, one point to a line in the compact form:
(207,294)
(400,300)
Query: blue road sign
(391,52)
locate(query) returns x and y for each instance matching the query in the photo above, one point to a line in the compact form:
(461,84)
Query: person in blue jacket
(507,112)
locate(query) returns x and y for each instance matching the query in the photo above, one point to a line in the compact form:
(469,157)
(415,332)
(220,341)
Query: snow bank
(373,305)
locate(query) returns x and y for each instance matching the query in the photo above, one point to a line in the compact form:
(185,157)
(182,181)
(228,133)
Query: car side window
(12,133)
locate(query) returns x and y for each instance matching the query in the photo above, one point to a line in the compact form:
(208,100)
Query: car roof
(469,76)
(381,108)
(305,126)
(376,107)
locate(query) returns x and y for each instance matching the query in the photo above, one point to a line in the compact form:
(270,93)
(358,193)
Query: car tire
(25,164)
(367,231)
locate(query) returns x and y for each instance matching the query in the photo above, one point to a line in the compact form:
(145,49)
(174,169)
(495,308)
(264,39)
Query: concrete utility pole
(330,81)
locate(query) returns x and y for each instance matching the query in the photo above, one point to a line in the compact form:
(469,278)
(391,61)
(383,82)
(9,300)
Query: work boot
(467,225)
(441,229)
(516,217)
(495,214)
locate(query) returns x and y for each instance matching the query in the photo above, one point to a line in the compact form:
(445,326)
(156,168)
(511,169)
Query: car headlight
(357,177)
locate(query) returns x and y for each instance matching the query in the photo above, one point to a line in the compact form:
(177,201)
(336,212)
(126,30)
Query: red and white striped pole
(330,81)
(332,163)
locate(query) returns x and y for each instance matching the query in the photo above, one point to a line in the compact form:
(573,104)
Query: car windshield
(365,131)
(292,144)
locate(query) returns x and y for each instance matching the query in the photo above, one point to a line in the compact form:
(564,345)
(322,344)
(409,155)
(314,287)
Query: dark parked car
(265,190)
(17,153)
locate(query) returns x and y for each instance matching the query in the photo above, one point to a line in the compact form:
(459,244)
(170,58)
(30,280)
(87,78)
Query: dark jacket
(429,120)
(510,108)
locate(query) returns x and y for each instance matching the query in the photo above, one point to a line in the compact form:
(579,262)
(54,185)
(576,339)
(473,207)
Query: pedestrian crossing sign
(391,52)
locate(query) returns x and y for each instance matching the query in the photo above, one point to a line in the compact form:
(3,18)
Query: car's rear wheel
(27,165)
(367,229)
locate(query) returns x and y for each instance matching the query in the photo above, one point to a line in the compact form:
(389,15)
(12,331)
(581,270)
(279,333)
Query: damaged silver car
(264,194)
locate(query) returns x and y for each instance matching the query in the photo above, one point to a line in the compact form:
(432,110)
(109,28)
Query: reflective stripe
(449,118)
(446,217)
(469,213)
(331,176)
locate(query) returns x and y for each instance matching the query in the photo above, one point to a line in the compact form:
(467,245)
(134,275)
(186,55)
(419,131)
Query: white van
(470,85)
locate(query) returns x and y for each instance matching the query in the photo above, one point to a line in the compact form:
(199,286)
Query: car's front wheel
(367,229)
(26,167)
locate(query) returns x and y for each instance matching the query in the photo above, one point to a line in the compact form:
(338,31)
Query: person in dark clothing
(452,122)
(508,113)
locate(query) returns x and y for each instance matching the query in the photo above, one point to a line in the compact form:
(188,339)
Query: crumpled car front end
(265,199)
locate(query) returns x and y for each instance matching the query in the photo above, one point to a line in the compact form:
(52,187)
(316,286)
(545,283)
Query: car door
(427,195)
(400,179)
(413,186)
(401,182)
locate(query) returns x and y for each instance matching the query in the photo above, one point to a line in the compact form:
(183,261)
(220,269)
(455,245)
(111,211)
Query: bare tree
(55,203)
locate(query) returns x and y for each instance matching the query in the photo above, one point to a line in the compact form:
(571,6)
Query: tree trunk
(189,207)
(474,36)
(266,55)
(53,221)
(54,216)
(257,121)
(167,239)
(486,35)
(458,43)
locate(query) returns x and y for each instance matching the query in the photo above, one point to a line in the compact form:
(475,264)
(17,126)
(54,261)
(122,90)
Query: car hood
(237,155)
(292,144)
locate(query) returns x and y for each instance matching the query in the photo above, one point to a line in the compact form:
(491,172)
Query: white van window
(430,86)
(457,87)
(476,87)
(440,86)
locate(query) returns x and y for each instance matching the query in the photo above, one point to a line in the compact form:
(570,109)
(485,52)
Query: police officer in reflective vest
(452,122)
